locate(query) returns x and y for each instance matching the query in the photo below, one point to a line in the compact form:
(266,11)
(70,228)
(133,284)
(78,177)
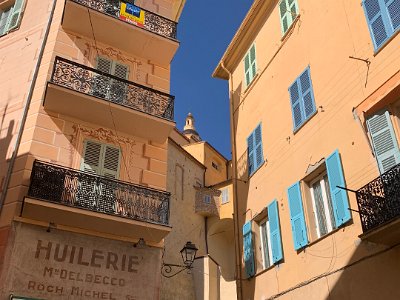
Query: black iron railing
(79,189)
(152,22)
(379,200)
(93,82)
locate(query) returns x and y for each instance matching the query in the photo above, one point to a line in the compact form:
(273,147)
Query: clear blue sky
(205,30)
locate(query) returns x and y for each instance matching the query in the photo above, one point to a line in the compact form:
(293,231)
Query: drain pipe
(236,228)
(26,108)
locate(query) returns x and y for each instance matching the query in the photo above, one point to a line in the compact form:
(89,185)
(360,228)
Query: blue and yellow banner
(132,14)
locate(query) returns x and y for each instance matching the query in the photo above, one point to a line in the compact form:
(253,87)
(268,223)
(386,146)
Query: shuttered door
(91,157)
(275,232)
(383,140)
(118,88)
(102,83)
(297,219)
(248,252)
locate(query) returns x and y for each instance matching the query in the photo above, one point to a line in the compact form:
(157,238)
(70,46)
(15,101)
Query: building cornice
(243,38)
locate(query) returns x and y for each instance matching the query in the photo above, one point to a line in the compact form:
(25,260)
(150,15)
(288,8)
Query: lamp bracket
(166,269)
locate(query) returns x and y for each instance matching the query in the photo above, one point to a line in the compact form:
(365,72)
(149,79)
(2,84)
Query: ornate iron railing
(152,22)
(379,200)
(83,190)
(96,83)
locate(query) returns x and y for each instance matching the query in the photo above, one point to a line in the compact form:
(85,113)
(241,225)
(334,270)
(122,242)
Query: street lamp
(188,254)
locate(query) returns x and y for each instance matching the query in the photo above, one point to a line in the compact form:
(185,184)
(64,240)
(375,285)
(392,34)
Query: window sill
(290,29)
(377,51)
(295,130)
(267,269)
(251,84)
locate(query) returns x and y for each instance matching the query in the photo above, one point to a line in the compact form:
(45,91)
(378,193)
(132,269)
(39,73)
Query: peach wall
(56,138)
(323,38)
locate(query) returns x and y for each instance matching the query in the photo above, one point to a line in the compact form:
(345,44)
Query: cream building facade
(85,119)
(314,91)
(201,212)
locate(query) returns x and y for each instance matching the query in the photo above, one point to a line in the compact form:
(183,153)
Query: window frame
(301,100)
(292,17)
(11,9)
(387,24)
(330,223)
(250,69)
(268,238)
(252,135)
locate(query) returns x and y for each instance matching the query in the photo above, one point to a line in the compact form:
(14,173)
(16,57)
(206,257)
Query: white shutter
(383,140)
(224,196)
(91,157)
(16,15)
(111,159)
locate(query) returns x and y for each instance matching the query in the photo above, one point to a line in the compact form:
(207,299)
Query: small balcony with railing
(379,208)
(62,196)
(123,25)
(88,94)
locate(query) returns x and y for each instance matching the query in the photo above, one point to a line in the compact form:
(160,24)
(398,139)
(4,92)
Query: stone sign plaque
(65,265)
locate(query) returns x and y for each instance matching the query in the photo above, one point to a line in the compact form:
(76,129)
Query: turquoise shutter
(288,10)
(297,219)
(251,153)
(275,232)
(247,68)
(393,7)
(248,253)
(253,61)
(16,15)
(340,201)
(383,140)
(259,159)
(376,22)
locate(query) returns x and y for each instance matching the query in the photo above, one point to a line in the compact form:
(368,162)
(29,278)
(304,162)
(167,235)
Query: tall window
(288,10)
(302,99)
(224,196)
(329,203)
(10,17)
(250,66)
(255,150)
(101,159)
(265,244)
(383,18)
(322,205)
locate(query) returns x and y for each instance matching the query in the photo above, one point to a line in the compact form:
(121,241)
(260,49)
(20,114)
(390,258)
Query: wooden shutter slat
(248,251)
(299,229)
(275,232)
(111,161)
(384,140)
(91,157)
(340,201)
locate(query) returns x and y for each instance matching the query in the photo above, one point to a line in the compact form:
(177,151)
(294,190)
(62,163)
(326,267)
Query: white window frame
(262,237)
(328,219)
(252,76)
(226,192)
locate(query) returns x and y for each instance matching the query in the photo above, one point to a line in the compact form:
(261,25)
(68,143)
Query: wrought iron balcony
(60,185)
(101,85)
(379,200)
(151,22)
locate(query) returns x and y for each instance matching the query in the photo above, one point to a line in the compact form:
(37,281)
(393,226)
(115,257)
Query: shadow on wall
(4,146)
(242,193)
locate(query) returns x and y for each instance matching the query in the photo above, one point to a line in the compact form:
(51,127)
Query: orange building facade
(314,97)
(85,118)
